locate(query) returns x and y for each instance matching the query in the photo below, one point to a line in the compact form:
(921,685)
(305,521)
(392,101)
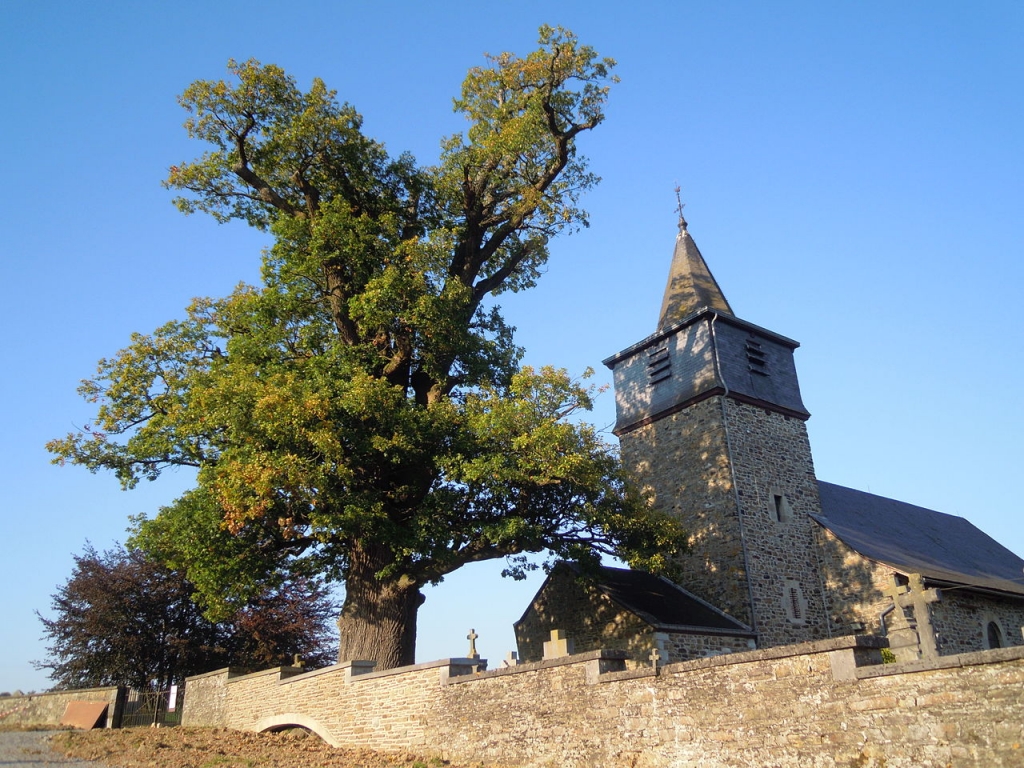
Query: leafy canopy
(362,413)
(123,618)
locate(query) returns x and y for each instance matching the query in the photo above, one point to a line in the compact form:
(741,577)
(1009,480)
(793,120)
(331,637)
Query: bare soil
(222,748)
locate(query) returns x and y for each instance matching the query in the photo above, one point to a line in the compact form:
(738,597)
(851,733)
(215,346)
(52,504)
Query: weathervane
(679,209)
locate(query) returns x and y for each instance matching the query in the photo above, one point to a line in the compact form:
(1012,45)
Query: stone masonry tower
(709,418)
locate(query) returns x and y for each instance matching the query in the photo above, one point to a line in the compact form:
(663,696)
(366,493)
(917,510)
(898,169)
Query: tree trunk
(378,618)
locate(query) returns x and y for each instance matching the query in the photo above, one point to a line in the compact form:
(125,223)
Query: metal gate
(152,708)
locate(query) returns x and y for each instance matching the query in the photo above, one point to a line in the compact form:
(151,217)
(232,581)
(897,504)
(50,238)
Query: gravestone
(559,645)
(912,638)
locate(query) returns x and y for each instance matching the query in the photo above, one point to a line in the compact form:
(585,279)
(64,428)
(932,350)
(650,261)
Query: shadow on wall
(592,620)
(853,586)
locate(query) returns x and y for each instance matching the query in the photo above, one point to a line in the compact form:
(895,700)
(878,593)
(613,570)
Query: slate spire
(691,285)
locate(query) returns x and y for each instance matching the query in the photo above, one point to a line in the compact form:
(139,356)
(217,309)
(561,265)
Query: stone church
(710,419)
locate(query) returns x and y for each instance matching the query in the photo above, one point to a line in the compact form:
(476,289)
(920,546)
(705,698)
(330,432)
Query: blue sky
(853,174)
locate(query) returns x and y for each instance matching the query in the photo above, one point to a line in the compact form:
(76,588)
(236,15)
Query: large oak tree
(362,414)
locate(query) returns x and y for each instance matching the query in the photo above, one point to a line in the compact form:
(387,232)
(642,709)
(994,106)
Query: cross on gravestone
(472,636)
(656,657)
(559,645)
(917,598)
(895,592)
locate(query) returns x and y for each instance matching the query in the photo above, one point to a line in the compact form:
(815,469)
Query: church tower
(710,420)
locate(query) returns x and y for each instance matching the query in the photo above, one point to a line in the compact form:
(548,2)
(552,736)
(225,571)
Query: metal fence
(152,708)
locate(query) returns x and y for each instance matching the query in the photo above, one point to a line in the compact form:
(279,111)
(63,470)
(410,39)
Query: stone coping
(975,658)
(534,666)
(225,671)
(846,642)
(440,663)
(357,676)
(687,629)
(627,674)
(339,667)
(281,672)
(61,692)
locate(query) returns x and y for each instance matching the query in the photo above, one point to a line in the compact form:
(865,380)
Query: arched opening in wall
(296,726)
(296,734)
(994,635)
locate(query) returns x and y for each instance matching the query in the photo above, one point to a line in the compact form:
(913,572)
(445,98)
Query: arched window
(995,635)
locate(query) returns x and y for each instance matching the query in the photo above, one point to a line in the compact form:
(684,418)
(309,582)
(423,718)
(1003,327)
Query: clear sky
(853,174)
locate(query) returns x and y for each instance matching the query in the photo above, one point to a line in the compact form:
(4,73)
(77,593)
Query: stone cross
(472,636)
(896,593)
(656,657)
(917,598)
(559,645)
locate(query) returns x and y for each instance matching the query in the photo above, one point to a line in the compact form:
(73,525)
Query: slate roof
(660,602)
(691,285)
(913,539)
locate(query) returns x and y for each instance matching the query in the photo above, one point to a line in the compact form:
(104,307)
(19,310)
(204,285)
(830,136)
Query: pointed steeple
(691,285)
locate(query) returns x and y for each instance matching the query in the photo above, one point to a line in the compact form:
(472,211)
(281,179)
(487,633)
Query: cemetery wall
(48,708)
(823,703)
(209,706)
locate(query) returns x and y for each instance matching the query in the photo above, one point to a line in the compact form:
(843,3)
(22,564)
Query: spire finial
(691,286)
(679,209)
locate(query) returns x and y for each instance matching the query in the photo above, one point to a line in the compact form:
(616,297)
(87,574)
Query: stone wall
(682,460)
(856,588)
(682,646)
(824,703)
(718,465)
(48,708)
(771,457)
(206,699)
(961,621)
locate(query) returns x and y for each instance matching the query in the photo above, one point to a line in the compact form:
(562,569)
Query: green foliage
(364,406)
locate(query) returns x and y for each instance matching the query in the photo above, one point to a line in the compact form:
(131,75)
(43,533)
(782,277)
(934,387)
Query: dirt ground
(221,748)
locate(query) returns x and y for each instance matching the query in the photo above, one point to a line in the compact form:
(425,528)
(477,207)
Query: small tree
(123,618)
(362,414)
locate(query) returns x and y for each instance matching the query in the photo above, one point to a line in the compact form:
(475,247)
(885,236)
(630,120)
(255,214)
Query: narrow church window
(995,635)
(795,603)
(781,510)
(659,365)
